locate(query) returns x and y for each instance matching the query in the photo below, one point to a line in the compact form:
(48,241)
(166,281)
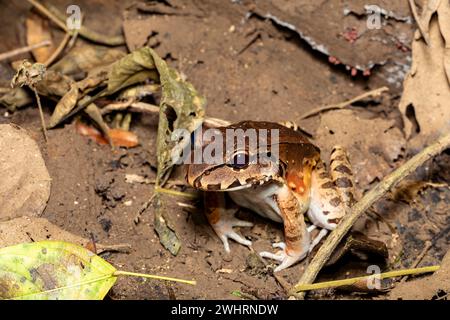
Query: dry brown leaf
(426,97)
(77,91)
(25,181)
(85,58)
(119,137)
(38,30)
(122,138)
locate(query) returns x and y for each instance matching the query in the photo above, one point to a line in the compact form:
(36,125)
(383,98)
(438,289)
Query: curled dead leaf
(119,137)
(37,31)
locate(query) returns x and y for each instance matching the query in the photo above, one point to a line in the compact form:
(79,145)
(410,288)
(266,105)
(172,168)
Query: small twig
(57,17)
(419,258)
(41,113)
(129,105)
(65,43)
(351,281)
(144,207)
(249,43)
(74,35)
(48,14)
(58,50)
(151,108)
(175,193)
(361,206)
(418,21)
(121,247)
(373,93)
(15,52)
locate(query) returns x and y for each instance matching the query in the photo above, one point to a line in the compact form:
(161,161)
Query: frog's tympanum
(282,188)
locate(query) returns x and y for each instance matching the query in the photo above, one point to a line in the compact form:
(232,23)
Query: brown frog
(281,188)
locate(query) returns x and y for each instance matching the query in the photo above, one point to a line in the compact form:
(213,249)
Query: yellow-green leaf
(53,270)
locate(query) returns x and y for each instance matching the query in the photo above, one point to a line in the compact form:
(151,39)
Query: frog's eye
(240,160)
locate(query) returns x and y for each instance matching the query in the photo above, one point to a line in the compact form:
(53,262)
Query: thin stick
(175,193)
(419,258)
(419,23)
(57,17)
(351,281)
(15,52)
(144,275)
(58,50)
(151,108)
(41,113)
(373,93)
(48,14)
(361,206)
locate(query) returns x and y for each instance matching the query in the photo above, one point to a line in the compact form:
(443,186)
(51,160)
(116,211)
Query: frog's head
(241,166)
(238,170)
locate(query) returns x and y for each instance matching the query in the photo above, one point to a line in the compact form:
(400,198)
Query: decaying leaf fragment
(78,90)
(179,101)
(37,31)
(53,270)
(85,58)
(119,137)
(425,103)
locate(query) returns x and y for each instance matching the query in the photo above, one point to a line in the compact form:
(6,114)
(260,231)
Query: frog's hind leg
(342,176)
(326,208)
(223,220)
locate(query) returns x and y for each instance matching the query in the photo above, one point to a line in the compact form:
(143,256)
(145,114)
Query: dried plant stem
(373,93)
(57,17)
(419,23)
(175,193)
(41,113)
(15,52)
(48,14)
(351,281)
(151,108)
(361,206)
(58,50)
(419,258)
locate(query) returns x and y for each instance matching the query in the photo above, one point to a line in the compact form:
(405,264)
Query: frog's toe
(286,260)
(236,237)
(279,245)
(224,229)
(286,263)
(279,256)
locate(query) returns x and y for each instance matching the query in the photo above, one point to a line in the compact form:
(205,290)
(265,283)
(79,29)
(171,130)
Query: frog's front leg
(223,220)
(297,240)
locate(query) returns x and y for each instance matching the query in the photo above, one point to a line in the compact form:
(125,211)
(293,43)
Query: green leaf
(53,270)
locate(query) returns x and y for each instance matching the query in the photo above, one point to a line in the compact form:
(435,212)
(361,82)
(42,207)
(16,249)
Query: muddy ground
(247,67)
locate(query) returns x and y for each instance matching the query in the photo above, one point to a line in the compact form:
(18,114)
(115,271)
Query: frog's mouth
(237,184)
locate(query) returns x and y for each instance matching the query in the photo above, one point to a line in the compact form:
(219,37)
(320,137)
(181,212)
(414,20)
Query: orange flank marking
(296,183)
(214,216)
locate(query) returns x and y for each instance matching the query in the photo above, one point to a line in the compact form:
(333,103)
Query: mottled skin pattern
(283,190)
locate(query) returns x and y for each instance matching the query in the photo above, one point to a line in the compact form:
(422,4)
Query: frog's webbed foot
(224,229)
(285,257)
